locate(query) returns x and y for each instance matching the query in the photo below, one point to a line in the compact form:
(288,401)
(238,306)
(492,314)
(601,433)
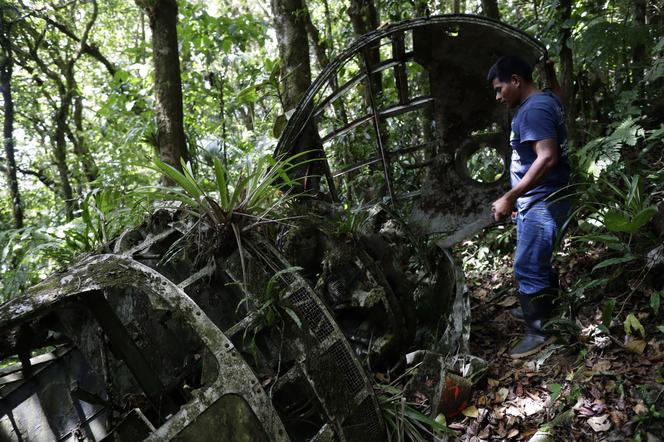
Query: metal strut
(376,125)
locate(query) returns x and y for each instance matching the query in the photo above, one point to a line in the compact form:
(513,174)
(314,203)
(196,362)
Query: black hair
(505,67)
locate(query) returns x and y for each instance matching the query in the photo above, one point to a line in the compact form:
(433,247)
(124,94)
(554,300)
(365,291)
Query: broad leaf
(614,261)
(616,221)
(632,324)
(607,312)
(655,300)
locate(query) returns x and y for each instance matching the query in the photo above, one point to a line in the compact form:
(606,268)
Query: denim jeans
(536,232)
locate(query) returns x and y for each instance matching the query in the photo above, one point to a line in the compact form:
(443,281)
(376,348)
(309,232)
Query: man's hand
(502,207)
(547,157)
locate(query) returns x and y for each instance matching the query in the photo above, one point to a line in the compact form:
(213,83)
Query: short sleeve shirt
(540,117)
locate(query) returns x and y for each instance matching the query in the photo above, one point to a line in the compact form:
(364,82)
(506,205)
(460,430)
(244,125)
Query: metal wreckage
(160,338)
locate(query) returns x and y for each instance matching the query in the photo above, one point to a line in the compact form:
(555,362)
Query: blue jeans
(536,232)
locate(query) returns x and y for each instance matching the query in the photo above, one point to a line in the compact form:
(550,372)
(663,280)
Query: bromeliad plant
(251,199)
(234,206)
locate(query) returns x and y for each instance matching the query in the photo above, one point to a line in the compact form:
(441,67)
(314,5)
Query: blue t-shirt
(539,117)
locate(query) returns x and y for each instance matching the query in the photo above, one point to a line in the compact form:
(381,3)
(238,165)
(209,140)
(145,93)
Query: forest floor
(587,386)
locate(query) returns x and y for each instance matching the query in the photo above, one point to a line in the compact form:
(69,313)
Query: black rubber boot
(537,309)
(554,290)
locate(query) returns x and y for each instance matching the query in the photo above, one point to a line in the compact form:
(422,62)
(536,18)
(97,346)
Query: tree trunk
(364,18)
(80,147)
(319,45)
(168,83)
(60,154)
(567,69)
(639,54)
(293,45)
(8,126)
(321,48)
(422,8)
(290,24)
(490,9)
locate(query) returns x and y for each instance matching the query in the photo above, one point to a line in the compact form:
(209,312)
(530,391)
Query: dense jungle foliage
(83,110)
(81,125)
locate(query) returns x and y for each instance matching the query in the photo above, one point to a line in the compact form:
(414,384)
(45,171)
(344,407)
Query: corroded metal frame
(307,111)
(101,272)
(359,418)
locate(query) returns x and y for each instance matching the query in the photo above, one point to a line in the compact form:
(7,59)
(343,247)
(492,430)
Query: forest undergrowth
(600,381)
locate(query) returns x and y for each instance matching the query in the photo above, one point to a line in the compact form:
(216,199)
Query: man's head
(511,78)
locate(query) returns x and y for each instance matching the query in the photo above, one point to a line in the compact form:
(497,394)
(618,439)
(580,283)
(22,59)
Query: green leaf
(616,221)
(660,328)
(607,312)
(416,415)
(632,324)
(659,46)
(222,185)
(279,276)
(269,316)
(655,300)
(178,177)
(608,239)
(555,391)
(293,316)
(604,329)
(641,218)
(613,261)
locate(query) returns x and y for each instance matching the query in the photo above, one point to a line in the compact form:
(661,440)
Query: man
(539,169)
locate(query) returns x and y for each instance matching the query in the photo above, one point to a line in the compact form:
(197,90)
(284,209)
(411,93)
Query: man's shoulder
(544,99)
(541,106)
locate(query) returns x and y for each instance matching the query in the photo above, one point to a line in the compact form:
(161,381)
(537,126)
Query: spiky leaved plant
(405,422)
(258,195)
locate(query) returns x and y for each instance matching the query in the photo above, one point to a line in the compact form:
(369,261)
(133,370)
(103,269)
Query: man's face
(507,92)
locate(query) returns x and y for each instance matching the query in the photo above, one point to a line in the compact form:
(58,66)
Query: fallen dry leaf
(470,412)
(618,418)
(637,346)
(599,423)
(501,395)
(508,301)
(532,396)
(595,392)
(639,408)
(602,366)
(502,432)
(579,403)
(531,407)
(492,382)
(519,389)
(511,420)
(457,426)
(513,411)
(480,294)
(514,432)
(381,377)
(485,434)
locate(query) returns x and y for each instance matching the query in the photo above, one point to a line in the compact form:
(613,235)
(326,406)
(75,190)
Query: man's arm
(547,158)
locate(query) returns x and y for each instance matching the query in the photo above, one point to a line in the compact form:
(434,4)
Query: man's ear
(515,80)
